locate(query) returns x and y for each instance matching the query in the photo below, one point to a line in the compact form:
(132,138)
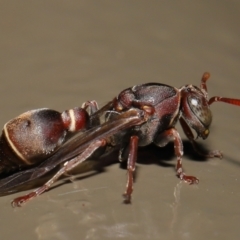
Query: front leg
(163,139)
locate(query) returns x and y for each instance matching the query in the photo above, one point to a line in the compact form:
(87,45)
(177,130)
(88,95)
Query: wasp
(38,141)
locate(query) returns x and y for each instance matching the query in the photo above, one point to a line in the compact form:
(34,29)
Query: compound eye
(200,108)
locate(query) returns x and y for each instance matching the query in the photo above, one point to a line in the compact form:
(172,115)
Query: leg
(190,136)
(132,157)
(163,139)
(69,165)
(92,105)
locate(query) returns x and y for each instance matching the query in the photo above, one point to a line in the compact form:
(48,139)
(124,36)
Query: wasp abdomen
(34,135)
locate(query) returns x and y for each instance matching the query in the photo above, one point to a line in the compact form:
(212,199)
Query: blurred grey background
(58,54)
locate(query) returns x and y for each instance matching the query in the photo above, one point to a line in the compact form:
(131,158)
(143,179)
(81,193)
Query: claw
(127,198)
(18,202)
(217,154)
(190,179)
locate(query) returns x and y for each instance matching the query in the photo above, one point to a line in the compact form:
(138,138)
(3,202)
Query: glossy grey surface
(58,54)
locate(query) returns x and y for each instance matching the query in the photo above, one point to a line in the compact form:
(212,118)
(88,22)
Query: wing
(73,147)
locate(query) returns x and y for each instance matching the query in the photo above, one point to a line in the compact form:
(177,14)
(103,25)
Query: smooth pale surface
(58,54)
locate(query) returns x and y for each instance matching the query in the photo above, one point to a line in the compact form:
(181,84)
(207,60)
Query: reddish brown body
(161,101)
(138,116)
